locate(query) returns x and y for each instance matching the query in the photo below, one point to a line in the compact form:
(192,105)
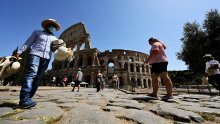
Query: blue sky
(112,24)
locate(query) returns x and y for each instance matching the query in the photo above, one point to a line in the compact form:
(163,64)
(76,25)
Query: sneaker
(27,105)
(166,97)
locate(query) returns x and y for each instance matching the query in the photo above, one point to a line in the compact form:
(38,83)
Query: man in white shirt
(39,44)
(212,69)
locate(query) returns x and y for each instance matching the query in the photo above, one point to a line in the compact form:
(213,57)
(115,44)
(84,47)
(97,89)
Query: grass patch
(51,120)
(12,113)
(208,116)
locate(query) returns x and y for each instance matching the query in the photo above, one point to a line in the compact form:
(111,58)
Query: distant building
(127,64)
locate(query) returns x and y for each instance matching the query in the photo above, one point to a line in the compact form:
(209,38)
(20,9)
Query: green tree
(192,48)
(198,41)
(212,29)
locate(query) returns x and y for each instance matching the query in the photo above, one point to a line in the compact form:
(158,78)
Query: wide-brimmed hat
(8,66)
(47,22)
(208,56)
(63,53)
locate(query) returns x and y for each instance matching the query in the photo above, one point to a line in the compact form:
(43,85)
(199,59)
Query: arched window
(131,67)
(139,82)
(137,68)
(82,46)
(102,62)
(131,60)
(89,60)
(80,61)
(143,70)
(111,68)
(87,79)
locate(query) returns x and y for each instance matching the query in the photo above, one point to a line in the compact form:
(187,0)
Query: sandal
(166,97)
(152,95)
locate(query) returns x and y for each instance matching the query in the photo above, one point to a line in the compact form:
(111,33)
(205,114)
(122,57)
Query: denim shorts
(158,68)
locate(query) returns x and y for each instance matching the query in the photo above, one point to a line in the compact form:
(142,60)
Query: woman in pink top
(158,61)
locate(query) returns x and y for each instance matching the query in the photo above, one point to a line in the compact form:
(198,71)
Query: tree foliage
(200,40)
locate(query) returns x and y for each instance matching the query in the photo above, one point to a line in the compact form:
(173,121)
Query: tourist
(133,84)
(212,69)
(99,80)
(103,82)
(39,44)
(78,79)
(64,81)
(158,61)
(115,81)
(53,81)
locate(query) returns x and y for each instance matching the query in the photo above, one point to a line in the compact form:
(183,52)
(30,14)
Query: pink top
(160,55)
(64,79)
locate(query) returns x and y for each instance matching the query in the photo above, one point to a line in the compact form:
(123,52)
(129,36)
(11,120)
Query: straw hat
(208,56)
(63,53)
(47,22)
(8,66)
(56,44)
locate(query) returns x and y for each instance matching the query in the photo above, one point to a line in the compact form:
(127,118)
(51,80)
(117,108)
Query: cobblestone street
(62,106)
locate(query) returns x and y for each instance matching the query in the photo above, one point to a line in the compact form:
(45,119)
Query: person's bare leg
(78,87)
(168,83)
(155,83)
(73,88)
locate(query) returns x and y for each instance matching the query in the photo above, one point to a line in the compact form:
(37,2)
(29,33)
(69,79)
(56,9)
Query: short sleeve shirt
(160,56)
(212,71)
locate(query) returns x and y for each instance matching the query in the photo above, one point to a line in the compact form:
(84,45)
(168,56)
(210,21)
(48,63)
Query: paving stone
(90,114)
(22,122)
(127,105)
(176,114)
(201,109)
(140,116)
(45,114)
(5,110)
(211,105)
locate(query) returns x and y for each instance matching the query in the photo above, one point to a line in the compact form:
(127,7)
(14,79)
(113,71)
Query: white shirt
(211,71)
(40,43)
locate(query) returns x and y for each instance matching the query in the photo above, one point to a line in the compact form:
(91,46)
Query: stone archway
(139,83)
(149,83)
(89,61)
(111,66)
(88,79)
(145,83)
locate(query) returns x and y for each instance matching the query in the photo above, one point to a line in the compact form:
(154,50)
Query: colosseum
(127,64)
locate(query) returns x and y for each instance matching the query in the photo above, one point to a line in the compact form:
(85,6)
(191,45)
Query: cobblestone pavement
(62,106)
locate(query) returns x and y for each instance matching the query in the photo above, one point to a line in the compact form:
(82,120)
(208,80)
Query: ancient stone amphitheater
(127,64)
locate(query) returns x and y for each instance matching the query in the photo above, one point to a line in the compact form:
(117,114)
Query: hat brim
(208,57)
(60,57)
(47,22)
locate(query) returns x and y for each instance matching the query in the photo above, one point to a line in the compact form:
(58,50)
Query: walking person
(212,69)
(103,82)
(78,79)
(99,80)
(64,81)
(39,44)
(53,81)
(158,61)
(115,81)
